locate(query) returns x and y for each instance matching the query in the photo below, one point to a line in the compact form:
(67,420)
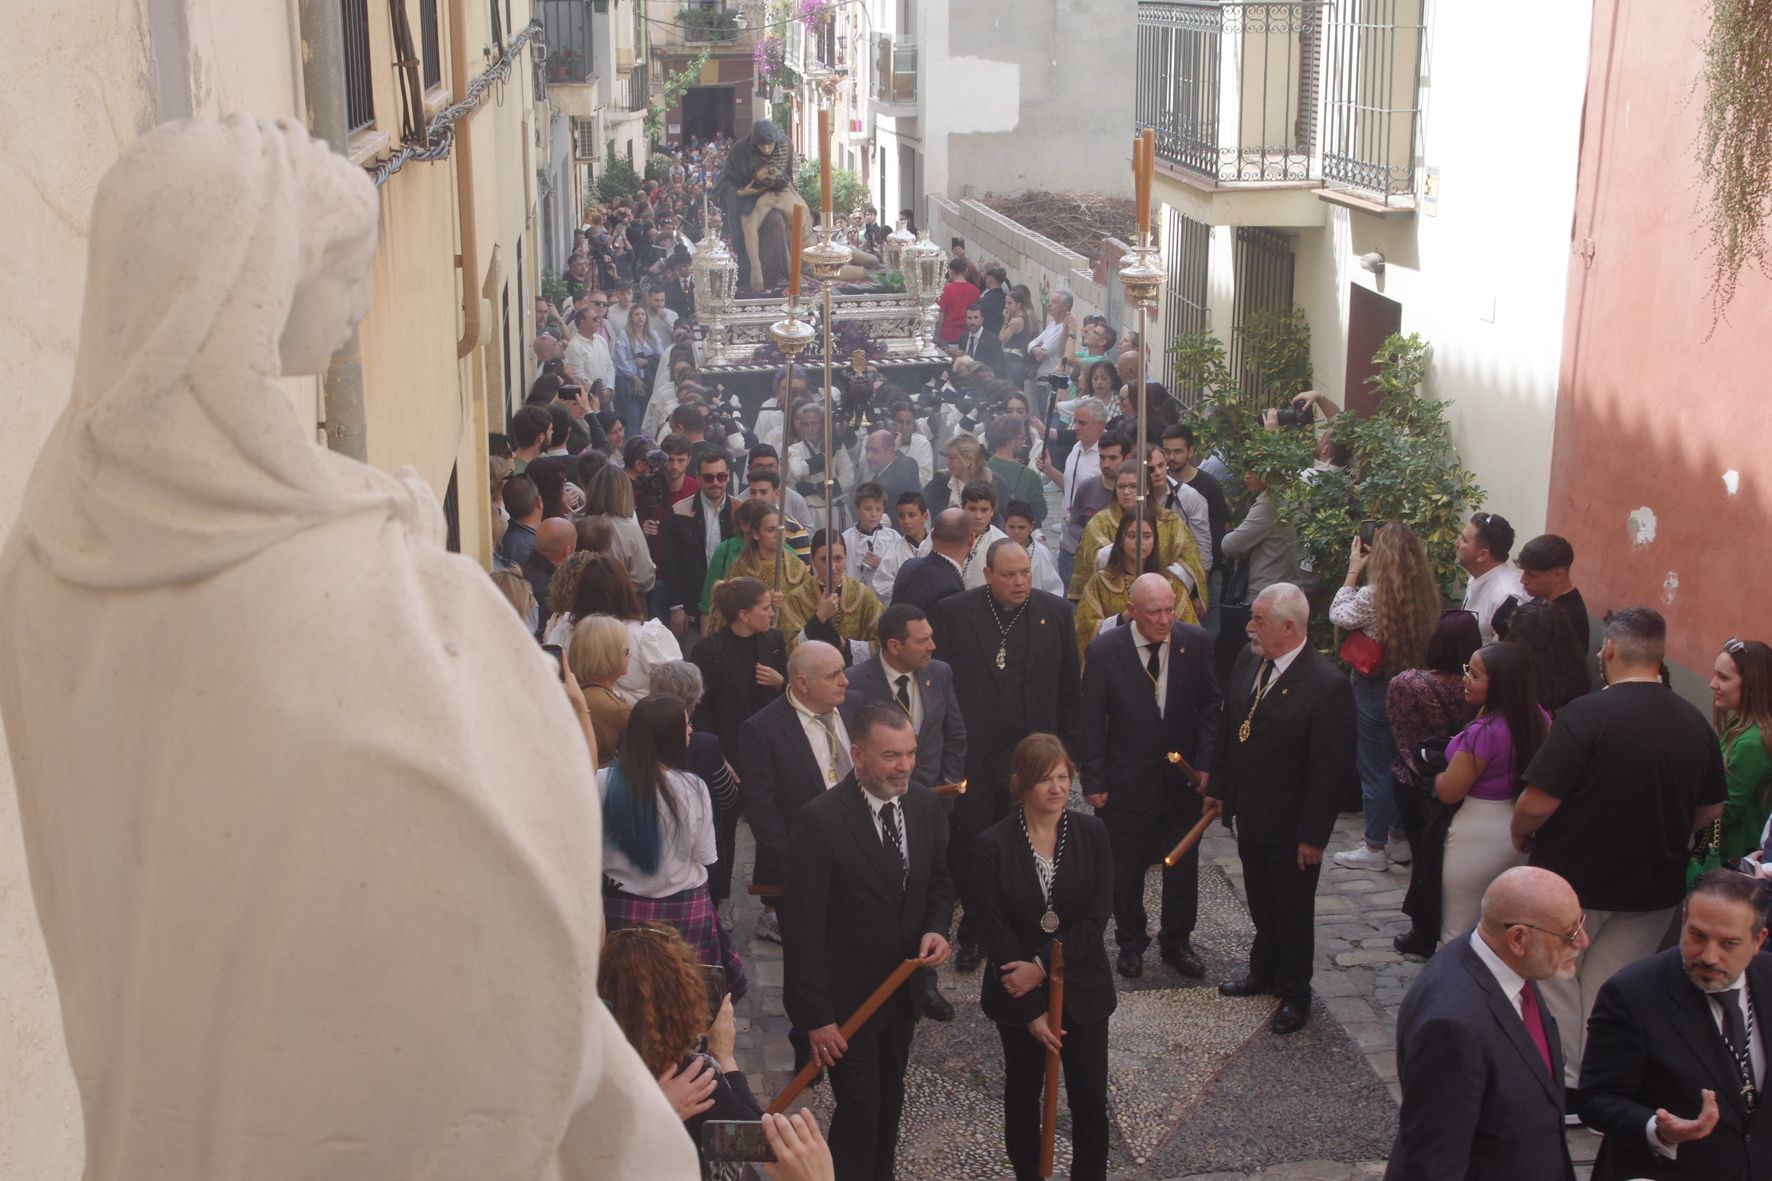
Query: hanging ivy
(1735,141)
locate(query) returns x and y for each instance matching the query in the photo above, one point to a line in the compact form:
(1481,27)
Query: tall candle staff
(1142,278)
(827,259)
(791,336)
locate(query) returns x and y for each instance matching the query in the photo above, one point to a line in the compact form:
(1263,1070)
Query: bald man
(555,540)
(1148,690)
(1478,1057)
(926,581)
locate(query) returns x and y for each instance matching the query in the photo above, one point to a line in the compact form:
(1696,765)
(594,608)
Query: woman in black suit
(1041,874)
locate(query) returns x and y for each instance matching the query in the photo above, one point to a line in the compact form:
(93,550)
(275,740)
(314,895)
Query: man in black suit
(790,752)
(979,344)
(1148,690)
(923,582)
(1013,650)
(1478,1058)
(905,673)
(867,888)
(1284,758)
(1683,1031)
(689,539)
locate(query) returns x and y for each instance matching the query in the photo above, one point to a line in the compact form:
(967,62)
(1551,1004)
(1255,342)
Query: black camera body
(1295,416)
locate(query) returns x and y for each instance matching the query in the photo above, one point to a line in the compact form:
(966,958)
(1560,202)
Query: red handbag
(1362,653)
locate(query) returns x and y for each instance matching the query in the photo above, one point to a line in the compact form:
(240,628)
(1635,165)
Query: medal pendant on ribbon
(1243,732)
(1049,922)
(830,775)
(1002,657)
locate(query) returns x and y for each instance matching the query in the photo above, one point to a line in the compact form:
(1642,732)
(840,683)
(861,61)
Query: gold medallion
(1243,732)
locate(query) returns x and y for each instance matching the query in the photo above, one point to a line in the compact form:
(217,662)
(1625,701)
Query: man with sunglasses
(1478,1056)
(1482,550)
(693,531)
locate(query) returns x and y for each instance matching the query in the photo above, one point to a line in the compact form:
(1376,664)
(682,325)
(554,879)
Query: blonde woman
(1397,610)
(966,463)
(599,658)
(516,589)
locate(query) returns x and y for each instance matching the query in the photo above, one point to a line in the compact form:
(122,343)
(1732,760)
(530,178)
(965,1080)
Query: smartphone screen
(715,978)
(732,1141)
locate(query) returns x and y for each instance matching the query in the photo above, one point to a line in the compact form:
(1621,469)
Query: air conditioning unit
(584,139)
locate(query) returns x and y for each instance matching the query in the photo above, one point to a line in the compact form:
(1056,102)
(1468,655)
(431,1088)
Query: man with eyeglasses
(1478,1055)
(1667,1111)
(1482,550)
(1610,802)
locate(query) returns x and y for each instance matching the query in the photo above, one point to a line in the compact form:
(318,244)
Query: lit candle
(1150,171)
(799,233)
(824,162)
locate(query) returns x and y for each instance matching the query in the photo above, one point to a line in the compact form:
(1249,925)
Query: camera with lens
(1295,416)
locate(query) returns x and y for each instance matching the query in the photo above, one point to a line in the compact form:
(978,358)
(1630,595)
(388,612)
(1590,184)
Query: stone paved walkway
(1237,1093)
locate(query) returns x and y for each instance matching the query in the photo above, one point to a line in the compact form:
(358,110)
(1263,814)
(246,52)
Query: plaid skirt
(691,912)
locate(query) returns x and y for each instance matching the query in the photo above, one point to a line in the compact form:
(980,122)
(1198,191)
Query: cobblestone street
(1199,1089)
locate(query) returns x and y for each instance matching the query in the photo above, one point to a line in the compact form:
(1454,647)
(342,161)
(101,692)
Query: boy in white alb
(870,541)
(1020,523)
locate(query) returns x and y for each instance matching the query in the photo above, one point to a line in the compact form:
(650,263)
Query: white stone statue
(313,835)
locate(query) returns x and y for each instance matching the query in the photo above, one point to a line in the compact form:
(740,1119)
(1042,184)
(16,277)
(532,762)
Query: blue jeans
(1373,754)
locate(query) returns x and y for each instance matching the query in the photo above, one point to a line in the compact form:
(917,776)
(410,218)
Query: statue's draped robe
(312,832)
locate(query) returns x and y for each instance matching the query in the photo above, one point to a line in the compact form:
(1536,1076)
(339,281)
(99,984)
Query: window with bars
(359,82)
(1263,267)
(430,43)
(1189,244)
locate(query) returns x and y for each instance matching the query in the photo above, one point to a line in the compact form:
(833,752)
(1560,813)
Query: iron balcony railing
(566,31)
(1231,88)
(638,95)
(1372,95)
(895,69)
(1294,90)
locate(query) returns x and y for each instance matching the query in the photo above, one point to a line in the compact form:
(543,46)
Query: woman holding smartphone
(1043,875)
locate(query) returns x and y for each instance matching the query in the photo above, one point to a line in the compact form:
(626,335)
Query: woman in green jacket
(1741,706)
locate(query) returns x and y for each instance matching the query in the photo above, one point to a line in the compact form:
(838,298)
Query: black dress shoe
(1243,986)
(1184,960)
(1415,944)
(1130,964)
(1292,1017)
(936,1007)
(970,955)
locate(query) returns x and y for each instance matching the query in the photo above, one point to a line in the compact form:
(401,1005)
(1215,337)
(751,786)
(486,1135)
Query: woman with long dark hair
(604,588)
(1484,762)
(1560,668)
(1394,614)
(1741,709)
(1428,702)
(1041,875)
(658,836)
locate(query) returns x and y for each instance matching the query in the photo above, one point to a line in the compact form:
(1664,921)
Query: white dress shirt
(710,519)
(1511,981)
(835,763)
(588,358)
(911,686)
(876,806)
(1143,647)
(1048,340)
(1490,590)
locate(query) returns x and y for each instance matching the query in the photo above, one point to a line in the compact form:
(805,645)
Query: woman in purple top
(1428,702)
(1482,777)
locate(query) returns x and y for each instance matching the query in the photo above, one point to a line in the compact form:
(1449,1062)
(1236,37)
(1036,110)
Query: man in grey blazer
(1477,1052)
(904,672)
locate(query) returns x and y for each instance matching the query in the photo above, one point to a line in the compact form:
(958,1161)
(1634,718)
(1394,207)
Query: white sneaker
(1398,852)
(769,927)
(1364,857)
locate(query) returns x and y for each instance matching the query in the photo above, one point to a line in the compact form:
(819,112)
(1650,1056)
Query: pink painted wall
(1650,413)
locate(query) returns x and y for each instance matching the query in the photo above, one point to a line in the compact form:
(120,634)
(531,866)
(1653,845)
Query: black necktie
(1154,665)
(972,345)
(1735,1037)
(903,696)
(891,838)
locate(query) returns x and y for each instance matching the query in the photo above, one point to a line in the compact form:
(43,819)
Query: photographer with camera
(912,443)
(807,464)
